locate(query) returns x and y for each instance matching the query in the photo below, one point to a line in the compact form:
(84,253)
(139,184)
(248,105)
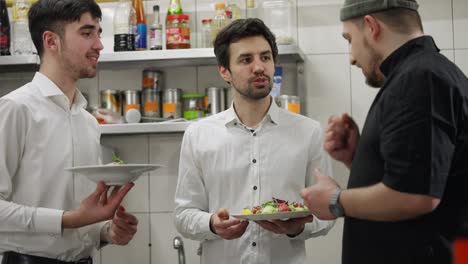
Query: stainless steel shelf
(19,63)
(147,59)
(144,128)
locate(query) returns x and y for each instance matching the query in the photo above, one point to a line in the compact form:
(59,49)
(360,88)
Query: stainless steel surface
(216,100)
(111,100)
(179,246)
(151,101)
(147,59)
(131,100)
(172,103)
(152,79)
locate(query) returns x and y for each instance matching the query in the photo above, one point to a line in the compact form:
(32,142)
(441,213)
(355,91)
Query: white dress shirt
(40,137)
(223,164)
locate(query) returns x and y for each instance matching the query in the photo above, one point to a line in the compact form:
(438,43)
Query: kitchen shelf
(148,59)
(144,128)
(10,2)
(19,63)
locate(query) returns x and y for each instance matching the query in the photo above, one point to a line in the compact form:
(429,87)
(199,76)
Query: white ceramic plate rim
(275,216)
(114,166)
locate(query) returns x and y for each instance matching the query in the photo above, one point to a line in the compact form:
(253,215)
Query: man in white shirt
(245,156)
(45,129)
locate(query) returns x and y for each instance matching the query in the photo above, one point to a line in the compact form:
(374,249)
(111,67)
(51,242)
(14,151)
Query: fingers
(234,231)
(117,196)
(270,226)
(121,215)
(223,214)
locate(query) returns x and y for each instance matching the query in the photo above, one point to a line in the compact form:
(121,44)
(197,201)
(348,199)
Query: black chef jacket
(415,140)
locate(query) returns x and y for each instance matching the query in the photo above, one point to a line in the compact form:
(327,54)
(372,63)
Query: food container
(151,101)
(111,100)
(172,103)
(152,79)
(289,102)
(215,100)
(177,32)
(194,106)
(131,100)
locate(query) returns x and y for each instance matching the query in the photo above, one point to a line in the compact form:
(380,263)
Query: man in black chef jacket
(407,193)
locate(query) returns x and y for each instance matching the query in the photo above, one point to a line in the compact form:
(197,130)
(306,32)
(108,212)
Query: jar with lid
(277,15)
(289,102)
(194,106)
(177,32)
(206,34)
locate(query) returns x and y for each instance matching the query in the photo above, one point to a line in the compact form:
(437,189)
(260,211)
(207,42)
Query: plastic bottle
(175,8)
(156,31)
(234,9)
(277,15)
(22,43)
(141,30)
(4,30)
(277,82)
(220,20)
(122,25)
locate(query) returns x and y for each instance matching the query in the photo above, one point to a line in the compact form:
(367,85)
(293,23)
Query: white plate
(115,174)
(275,216)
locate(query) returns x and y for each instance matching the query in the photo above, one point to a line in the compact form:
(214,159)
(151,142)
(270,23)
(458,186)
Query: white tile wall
(332,87)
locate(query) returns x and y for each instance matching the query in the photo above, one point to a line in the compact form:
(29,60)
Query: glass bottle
(122,25)
(4,30)
(156,31)
(277,15)
(234,9)
(141,30)
(251,9)
(175,8)
(206,34)
(220,20)
(22,43)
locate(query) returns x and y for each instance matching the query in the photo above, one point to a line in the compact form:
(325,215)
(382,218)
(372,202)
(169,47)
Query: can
(152,79)
(131,100)
(215,100)
(151,103)
(289,102)
(111,100)
(172,103)
(194,106)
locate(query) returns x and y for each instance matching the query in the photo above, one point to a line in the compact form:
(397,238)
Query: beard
(251,92)
(375,78)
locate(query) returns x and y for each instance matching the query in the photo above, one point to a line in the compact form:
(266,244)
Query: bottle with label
(220,20)
(122,25)
(234,9)
(156,31)
(277,82)
(251,9)
(4,30)
(22,43)
(175,8)
(141,29)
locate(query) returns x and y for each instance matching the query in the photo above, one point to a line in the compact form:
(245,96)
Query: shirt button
(235,123)
(255,188)
(254,244)
(254,134)
(254,161)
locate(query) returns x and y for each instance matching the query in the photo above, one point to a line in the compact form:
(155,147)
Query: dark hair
(237,30)
(53,15)
(400,20)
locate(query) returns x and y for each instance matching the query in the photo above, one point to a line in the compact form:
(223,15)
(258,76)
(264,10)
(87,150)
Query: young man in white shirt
(46,129)
(245,156)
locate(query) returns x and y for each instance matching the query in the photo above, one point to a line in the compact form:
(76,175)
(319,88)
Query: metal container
(172,103)
(131,100)
(152,79)
(194,106)
(151,101)
(216,100)
(289,102)
(111,100)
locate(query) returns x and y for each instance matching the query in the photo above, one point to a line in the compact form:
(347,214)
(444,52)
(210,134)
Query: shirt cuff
(48,221)
(96,233)
(205,227)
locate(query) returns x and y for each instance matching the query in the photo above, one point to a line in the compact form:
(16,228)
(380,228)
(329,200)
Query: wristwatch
(334,205)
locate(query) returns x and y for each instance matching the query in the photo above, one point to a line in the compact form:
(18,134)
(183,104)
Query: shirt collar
(424,43)
(51,90)
(271,116)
